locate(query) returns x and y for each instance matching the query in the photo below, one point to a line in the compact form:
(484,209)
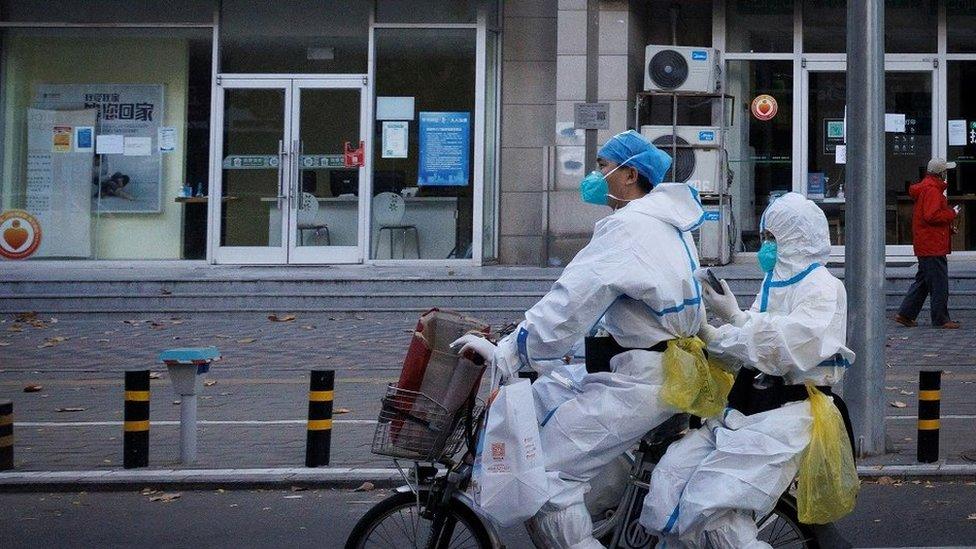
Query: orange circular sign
(20,234)
(764,107)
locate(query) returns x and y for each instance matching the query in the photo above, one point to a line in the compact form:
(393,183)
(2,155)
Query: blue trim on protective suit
(768,283)
(836,362)
(694,194)
(549,416)
(673,518)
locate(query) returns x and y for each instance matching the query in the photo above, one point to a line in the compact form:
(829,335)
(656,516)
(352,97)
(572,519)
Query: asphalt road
(900,515)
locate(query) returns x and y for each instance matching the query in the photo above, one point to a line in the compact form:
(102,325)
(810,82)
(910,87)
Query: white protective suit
(710,486)
(636,274)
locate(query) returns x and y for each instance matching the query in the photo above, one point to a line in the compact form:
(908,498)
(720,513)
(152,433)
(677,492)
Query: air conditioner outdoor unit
(676,69)
(697,155)
(714,246)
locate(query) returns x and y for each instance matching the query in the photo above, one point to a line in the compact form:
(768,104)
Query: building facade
(431,132)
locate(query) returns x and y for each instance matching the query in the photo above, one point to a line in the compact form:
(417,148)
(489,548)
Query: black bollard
(929,404)
(6,435)
(320,395)
(135,435)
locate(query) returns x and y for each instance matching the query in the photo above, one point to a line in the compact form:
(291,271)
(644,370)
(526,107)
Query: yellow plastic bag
(828,483)
(692,383)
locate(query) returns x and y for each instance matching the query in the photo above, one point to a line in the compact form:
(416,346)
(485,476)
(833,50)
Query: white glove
(707,333)
(477,345)
(723,305)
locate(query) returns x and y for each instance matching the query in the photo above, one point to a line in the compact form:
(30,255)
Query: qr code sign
(498,450)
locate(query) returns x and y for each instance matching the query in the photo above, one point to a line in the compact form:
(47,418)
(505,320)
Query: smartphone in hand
(714,283)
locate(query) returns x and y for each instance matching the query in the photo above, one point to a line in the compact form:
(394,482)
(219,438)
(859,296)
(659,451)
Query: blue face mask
(594,188)
(767,256)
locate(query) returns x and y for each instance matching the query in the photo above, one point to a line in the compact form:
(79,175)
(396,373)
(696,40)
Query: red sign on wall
(354,158)
(764,107)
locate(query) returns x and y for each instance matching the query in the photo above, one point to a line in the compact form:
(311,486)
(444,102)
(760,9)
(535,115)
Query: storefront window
(106,11)
(760,151)
(962,150)
(824,26)
(103,143)
(961,26)
(693,26)
(294,36)
(435,11)
(911,26)
(759,26)
(425,114)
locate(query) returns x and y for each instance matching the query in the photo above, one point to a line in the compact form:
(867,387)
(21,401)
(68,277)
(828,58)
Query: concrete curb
(324,477)
(929,471)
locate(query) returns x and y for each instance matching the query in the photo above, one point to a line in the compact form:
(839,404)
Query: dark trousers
(932,278)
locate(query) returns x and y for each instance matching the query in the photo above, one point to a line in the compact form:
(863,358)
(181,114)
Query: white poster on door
(395,139)
(127,183)
(957,133)
(59,183)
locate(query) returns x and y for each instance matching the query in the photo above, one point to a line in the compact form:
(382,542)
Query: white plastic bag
(509,477)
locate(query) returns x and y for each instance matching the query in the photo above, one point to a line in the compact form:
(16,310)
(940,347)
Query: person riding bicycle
(636,279)
(711,484)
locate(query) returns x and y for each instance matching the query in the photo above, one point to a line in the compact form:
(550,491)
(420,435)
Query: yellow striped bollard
(135,430)
(929,404)
(319,441)
(6,435)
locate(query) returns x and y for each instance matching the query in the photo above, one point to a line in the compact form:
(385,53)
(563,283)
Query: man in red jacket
(931,237)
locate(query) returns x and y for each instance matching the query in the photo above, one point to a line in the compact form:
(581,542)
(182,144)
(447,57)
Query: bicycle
(432,510)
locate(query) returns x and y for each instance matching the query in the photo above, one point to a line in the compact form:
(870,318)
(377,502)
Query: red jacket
(932,217)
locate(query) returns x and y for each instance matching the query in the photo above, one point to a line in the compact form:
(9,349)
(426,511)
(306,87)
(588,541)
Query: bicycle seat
(670,428)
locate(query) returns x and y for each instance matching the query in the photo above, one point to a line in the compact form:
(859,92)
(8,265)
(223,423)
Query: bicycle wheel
(783,530)
(396,522)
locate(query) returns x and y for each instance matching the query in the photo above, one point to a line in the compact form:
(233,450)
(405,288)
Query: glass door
(292,170)
(251,174)
(909,144)
(329,167)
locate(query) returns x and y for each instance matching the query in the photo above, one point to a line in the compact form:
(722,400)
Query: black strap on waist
(599,351)
(750,396)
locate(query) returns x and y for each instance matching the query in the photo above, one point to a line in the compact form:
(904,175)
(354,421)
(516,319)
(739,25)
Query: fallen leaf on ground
(298,488)
(209,383)
(222,336)
(24,317)
(176,321)
(342,411)
(148,491)
(293,497)
(164,291)
(365,487)
(166,497)
(308,327)
(101,341)
(15,328)
(247,340)
(177,402)
(285,318)
(891,388)
(908,393)
(70,409)
(153,375)
(4,344)
(898,404)
(886,481)
(32,388)
(972,517)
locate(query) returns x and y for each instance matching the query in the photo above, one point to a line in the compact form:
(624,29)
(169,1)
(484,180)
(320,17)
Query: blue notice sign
(445,142)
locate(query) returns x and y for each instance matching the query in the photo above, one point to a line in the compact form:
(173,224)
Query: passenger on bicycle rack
(636,279)
(710,485)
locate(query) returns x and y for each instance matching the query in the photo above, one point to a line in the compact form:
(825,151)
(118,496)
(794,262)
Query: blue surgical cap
(632,149)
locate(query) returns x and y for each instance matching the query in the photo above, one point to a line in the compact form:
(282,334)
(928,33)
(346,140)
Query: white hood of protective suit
(801,231)
(676,204)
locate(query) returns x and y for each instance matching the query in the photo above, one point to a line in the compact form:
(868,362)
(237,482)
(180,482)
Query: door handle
(282,159)
(296,148)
